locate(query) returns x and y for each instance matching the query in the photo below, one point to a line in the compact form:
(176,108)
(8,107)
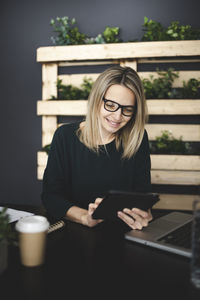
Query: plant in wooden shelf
(70,92)
(155,31)
(161,87)
(7,236)
(167,144)
(182,32)
(110,35)
(191,89)
(69,34)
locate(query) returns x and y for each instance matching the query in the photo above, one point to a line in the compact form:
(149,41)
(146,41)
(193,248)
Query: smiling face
(111,122)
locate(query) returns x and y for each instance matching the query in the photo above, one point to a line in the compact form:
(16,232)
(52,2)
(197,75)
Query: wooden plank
(42,158)
(159,162)
(155,107)
(175,177)
(40,172)
(77,79)
(158,176)
(162,177)
(167,162)
(129,63)
(117,61)
(49,125)
(168,60)
(175,162)
(88,63)
(187,132)
(173,106)
(118,50)
(176,201)
(62,108)
(49,80)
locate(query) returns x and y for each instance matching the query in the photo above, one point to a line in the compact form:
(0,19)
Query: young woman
(109,150)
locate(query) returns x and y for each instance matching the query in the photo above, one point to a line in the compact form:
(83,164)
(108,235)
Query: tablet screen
(116,201)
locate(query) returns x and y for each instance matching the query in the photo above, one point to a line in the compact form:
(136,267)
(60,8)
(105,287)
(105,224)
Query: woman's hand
(90,222)
(135,217)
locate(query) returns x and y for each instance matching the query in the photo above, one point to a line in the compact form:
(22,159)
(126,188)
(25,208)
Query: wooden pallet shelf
(166,169)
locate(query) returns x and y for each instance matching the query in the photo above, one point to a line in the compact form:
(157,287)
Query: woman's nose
(117,114)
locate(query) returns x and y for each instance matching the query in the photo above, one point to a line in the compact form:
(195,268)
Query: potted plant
(6,237)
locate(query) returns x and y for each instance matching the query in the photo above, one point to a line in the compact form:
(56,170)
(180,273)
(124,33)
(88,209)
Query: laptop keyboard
(180,237)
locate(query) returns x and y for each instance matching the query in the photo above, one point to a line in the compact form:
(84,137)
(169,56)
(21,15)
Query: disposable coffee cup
(32,239)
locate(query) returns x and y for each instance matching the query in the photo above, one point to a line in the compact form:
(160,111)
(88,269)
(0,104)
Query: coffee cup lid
(32,224)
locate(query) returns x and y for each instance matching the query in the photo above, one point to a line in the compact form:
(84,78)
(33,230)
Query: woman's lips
(113,124)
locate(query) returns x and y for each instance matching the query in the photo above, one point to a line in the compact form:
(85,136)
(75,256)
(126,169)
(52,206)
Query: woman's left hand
(135,217)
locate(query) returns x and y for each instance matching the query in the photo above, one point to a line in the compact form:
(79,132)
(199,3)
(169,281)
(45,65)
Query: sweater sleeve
(142,180)
(56,180)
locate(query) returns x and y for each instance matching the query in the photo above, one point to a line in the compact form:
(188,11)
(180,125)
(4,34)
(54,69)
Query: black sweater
(75,175)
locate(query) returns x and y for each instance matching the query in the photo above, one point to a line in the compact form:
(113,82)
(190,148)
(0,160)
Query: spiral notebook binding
(56,226)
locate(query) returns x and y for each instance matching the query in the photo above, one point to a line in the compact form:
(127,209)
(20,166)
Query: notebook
(55,226)
(171,233)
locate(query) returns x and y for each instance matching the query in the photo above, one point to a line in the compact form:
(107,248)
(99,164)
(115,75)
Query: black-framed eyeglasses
(112,106)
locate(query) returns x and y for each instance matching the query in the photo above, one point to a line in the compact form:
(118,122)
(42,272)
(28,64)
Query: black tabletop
(98,263)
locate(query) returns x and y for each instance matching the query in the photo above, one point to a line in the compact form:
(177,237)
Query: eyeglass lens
(113,106)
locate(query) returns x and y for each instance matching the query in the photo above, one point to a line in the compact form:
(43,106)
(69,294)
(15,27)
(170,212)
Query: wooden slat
(117,61)
(175,177)
(173,107)
(49,125)
(158,176)
(129,63)
(187,132)
(42,158)
(117,51)
(175,162)
(168,60)
(176,201)
(88,63)
(155,107)
(40,172)
(77,79)
(159,162)
(49,80)
(162,177)
(62,108)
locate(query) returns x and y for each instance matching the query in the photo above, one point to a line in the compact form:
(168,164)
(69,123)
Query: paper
(15,215)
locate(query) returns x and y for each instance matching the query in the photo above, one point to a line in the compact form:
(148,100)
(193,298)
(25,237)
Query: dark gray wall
(24,27)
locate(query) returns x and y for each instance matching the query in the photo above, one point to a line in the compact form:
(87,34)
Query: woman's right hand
(89,221)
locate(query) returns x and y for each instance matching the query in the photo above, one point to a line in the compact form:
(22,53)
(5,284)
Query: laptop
(172,233)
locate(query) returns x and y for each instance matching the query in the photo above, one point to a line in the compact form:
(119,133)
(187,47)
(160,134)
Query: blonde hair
(130,136)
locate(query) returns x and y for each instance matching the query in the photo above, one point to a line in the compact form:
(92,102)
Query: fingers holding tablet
(135,218)
(137,205)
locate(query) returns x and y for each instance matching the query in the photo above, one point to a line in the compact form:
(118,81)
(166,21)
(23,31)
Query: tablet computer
(116,201)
